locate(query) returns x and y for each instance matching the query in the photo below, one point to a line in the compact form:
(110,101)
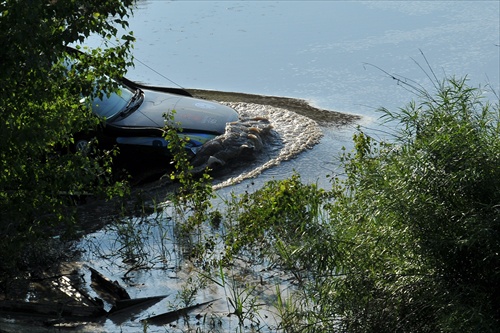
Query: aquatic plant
(191,200)
(189,290)
(281,220)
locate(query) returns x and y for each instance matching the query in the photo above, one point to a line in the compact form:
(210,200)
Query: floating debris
(169,317)
(80,307)
(109,290)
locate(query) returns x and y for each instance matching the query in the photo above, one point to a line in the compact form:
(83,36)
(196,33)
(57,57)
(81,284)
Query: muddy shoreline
(327,118)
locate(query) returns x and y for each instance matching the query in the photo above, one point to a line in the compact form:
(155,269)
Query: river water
(315,50)
(326,52)
(330,53)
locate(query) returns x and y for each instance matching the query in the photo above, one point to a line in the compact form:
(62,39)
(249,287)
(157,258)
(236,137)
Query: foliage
(191,201)
(41,109)
(282,214)
(410,241)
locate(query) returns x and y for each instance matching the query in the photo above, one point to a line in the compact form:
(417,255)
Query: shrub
(410,241)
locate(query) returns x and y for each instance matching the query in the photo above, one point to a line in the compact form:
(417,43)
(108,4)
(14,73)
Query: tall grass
(407,241)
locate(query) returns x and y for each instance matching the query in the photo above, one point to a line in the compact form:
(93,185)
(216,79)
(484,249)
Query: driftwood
(80,306)
(52,310)
(107,289)
(130,309)
(132,304)
(169,317)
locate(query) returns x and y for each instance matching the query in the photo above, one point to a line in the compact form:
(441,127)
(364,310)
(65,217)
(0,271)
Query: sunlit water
(315,50)
(331,53)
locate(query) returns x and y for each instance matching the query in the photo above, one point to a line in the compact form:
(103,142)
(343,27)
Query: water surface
(331,53)
(316,50)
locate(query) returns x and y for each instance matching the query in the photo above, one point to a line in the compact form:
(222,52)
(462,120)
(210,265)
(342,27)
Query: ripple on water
(291,134)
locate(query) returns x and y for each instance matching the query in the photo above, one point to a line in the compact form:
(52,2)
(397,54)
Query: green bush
(283,215)
(407,240)
(41,109)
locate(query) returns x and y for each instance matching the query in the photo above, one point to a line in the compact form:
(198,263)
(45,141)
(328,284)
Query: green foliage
(242,298)
(422,215)
(192,200)
(40,110)
(283,215)
(410,241)
(189,290)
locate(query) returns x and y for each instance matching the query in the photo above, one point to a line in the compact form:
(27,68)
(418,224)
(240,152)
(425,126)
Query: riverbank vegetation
(406,239)
(41,107)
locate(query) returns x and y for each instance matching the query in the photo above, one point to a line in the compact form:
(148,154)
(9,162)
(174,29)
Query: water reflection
(150,257)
